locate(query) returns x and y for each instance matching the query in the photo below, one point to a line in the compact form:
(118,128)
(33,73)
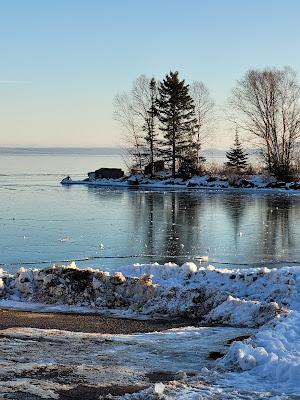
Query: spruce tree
(149,126)
(176,113)
(236,155)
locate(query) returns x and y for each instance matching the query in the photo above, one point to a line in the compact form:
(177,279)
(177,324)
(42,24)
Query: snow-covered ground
(258,300)
(44,362)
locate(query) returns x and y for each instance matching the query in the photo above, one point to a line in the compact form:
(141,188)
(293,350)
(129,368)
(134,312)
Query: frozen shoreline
(249,183)
(267,300)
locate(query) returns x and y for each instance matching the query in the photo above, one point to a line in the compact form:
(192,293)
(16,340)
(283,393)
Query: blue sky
(63,61)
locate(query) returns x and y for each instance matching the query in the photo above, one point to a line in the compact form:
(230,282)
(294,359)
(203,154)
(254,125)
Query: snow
(271,358)
(159,388)
(234,297)
(267,300)
(255,283)
(200,390)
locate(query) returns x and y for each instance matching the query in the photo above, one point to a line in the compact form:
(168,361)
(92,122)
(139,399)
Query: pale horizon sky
(63,61)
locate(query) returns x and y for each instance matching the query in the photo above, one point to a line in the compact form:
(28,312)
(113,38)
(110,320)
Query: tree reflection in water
(261,226)
(230,227)
(278,226)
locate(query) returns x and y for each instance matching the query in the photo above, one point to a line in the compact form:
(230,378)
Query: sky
(63,61)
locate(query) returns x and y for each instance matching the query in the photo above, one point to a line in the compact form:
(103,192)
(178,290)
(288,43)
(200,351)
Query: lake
(43,222)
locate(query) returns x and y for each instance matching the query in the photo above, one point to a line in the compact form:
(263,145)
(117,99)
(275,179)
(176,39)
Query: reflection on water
(169,224)
(236,209)
(51,222)
(229,227)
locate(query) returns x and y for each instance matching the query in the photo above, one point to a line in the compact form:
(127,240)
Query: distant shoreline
(102,151)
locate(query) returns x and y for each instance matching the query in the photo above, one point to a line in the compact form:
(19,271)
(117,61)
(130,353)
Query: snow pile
(258,284)
(233,297)
(272,355)
(238,312)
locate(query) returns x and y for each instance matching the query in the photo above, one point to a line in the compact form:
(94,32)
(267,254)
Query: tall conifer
(149,126)
(176,113)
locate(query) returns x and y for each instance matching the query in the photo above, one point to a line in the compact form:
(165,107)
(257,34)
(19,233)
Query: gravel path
(83,322)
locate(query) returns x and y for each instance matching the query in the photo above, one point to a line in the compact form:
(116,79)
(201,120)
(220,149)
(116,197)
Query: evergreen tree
(149,126)
(236,155)
(176,113)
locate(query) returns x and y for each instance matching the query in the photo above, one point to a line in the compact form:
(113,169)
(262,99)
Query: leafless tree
(144,95)
(204,107)
(133,142)
(266,104)
(136,113)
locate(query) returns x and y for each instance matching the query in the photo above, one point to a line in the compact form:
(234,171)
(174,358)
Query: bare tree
(133,141)
(136,113)
(204,107)
(267,106)
(144,95)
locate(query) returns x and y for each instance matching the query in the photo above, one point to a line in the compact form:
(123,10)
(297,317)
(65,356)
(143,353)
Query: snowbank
(262,284)
(214,295)
(272,355)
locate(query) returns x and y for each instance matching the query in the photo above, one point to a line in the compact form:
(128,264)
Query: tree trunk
(173,159)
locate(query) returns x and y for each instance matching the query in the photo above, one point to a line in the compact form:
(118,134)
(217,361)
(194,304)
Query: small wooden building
(106,173)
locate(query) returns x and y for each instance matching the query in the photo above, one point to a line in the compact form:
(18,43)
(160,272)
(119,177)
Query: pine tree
(149,126)
(236,155)
(176,114)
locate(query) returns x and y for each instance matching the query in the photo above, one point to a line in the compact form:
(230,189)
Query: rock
(146,279)
(246,184)
(295,186)
(211,179)
(276,185)
(192,184)
(118,278)
(215,355)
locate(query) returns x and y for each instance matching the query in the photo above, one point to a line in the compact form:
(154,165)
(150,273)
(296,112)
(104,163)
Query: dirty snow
(233,297)
(44,362)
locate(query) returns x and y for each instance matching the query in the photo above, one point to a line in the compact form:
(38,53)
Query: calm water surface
(40,220)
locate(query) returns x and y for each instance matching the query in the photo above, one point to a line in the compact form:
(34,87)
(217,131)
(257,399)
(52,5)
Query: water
(41,220)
